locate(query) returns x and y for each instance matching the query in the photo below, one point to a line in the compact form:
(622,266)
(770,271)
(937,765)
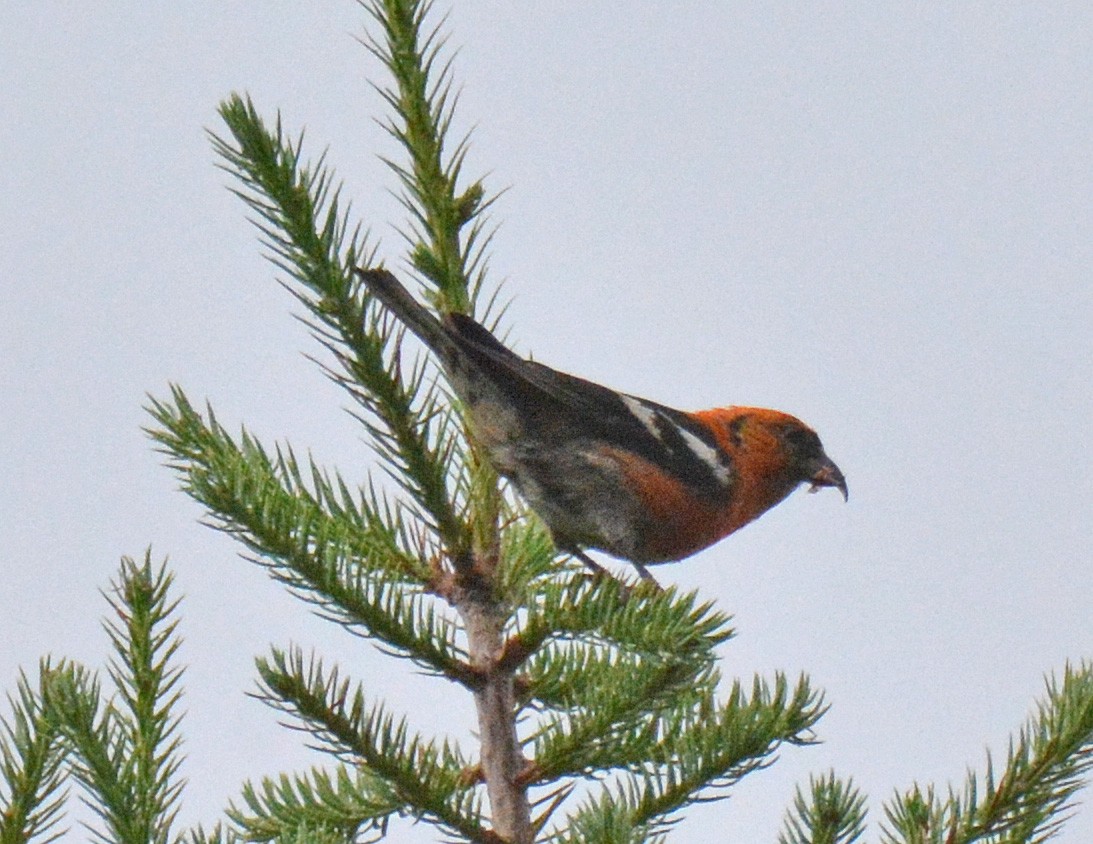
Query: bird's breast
(671,519)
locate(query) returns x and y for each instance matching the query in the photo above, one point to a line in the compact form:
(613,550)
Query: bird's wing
(558,406)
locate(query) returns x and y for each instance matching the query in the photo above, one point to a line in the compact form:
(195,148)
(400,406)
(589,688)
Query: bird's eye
(736,428)
(802,440)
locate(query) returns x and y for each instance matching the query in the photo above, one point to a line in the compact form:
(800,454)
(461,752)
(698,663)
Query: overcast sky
(878,217)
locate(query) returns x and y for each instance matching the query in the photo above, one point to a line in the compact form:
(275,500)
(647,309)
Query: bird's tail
(399,301)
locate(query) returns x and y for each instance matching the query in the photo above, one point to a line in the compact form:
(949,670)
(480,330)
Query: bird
(609,471)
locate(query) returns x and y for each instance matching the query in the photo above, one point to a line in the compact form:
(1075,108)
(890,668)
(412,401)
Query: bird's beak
(823,472)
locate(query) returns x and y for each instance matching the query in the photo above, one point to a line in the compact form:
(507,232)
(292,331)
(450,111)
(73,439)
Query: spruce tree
(601,711)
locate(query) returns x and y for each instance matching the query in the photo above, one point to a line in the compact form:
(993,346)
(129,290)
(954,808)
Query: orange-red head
(772,453)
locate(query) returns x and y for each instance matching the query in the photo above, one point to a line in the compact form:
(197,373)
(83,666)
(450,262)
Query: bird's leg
(597,569)
(600,571)
(646,576)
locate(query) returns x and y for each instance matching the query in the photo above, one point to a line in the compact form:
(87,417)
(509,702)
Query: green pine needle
(338,551)
(833,812)
(352,801)
(1030,800)
(425,778)
(299,215)
(126,751)
(32,790)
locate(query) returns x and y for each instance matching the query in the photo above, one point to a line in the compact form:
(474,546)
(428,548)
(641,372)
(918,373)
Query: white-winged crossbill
(609,471)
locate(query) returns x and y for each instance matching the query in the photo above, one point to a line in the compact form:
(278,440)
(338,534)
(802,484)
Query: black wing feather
(559,407)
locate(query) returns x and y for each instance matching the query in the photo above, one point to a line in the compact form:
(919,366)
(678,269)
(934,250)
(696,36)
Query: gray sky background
(878,217)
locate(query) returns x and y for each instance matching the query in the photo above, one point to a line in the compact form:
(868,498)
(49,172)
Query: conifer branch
(97,745)
(832,813)
(427,780)
(265,502)
(126,755)
(143,633)
(350,801)
(607,818)
(300,217)
(217,835)
(31,759)
(616,723)
(653,623)
(713,747)
(1029,801)
(423,102)
(343,554)
(689,753)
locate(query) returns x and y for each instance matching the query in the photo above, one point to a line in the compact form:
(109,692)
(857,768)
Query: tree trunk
(502,760)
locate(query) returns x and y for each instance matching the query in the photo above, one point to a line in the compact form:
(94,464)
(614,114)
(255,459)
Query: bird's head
(777,447)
